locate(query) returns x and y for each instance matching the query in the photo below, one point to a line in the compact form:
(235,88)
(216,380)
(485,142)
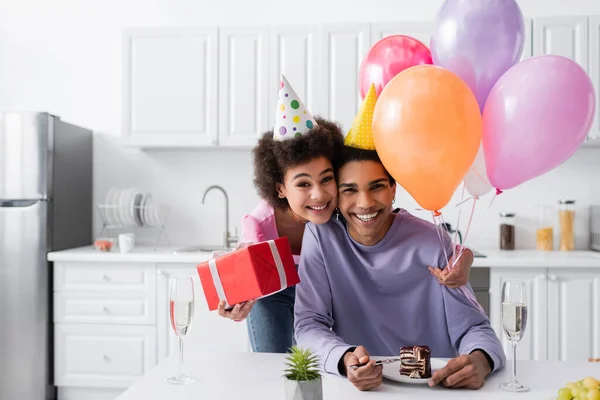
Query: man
(365,287)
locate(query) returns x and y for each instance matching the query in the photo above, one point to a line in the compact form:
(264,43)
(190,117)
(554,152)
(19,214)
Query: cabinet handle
(105,278)
(553,277)
(158,272)
(542,277)
(105,310)
(105,357)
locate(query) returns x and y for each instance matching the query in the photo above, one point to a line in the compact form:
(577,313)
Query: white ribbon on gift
(214,272)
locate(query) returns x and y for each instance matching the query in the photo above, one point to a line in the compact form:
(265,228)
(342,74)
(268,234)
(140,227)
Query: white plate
(113,204)
(392,371)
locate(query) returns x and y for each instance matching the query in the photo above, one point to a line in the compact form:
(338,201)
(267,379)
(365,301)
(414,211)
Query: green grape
(577,391)
(593,394)
(565,394)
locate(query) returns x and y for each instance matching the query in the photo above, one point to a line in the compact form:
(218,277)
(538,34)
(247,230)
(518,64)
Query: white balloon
(476,180)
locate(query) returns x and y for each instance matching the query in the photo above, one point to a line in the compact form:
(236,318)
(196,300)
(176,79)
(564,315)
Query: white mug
(126,242)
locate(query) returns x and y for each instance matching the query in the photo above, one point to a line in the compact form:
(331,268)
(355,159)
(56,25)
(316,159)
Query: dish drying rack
(117,218)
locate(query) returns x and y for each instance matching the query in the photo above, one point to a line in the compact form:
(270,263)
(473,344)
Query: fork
(378,362)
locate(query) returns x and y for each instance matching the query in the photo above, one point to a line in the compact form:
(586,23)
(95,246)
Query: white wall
(64,56)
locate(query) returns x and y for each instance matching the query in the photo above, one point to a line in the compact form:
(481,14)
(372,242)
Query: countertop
(258,376)
(493,258)
(147,254)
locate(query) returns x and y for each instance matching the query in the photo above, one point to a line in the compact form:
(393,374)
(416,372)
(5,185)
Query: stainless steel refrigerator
(45,205)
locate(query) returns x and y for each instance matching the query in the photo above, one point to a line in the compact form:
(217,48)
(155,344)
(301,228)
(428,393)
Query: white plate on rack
(137,210)
(112,206)
(144,212)
(392,371)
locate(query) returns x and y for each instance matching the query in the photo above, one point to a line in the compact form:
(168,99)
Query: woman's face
(311,190)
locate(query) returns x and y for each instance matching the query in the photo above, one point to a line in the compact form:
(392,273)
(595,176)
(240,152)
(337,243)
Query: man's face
(365,200)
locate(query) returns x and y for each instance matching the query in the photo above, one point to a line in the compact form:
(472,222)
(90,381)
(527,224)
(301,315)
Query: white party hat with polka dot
(292,118)
(360,134)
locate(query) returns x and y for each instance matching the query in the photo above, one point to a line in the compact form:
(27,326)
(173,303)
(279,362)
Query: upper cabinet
(209,86)
(419,30)
(594,70)
(528,43)
(343,48)
(170,87)
(294,52)
(563,36)
(574,37)
(243,85)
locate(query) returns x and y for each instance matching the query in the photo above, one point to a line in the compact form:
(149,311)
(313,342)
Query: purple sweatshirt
(383,297)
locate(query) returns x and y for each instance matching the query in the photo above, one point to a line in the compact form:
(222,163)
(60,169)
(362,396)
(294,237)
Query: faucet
(228,240)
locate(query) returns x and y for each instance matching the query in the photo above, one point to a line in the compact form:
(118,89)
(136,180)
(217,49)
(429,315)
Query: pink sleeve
(251,230)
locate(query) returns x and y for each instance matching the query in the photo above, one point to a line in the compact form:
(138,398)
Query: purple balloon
(479,40)
(537,116)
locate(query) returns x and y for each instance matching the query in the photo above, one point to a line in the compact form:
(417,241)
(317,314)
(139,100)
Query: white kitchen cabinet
(214,332)
(243,85)
(107,356)
(533,345)
(565,36)
(170,87)
(594,71)
(343,48)
(111,325)
(295,53)
(563,312)
(573,314)
(574,37)
(420,30)
(528,43)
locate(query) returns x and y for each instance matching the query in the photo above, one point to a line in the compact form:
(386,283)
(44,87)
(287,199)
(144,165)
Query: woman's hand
(238,313)
(459,275)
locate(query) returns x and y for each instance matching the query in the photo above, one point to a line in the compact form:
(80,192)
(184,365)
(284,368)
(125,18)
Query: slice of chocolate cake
(415,362)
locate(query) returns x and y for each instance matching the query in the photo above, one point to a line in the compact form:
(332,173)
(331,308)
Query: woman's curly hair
(272,158)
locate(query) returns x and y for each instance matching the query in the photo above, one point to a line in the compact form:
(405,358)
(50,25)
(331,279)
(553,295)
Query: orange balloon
(427,130)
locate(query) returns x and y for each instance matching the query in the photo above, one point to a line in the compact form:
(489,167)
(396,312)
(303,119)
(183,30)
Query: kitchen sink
(478,254)
(200,249)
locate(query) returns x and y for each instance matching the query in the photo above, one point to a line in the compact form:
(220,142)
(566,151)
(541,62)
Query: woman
(294,177)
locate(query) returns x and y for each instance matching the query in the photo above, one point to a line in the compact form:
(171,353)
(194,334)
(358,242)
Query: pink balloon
(536,117)
(387,58)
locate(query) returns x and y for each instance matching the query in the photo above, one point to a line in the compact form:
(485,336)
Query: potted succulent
(302,376)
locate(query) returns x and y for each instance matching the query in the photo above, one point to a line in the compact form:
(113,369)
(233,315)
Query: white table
(251,376)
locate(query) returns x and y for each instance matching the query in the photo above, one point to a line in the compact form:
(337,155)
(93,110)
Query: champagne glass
(514,322)
(181,309)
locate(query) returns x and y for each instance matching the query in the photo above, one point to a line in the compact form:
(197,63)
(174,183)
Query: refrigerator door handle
(18,203)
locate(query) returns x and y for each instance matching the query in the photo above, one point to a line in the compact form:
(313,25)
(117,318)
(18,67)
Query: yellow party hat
(360,134)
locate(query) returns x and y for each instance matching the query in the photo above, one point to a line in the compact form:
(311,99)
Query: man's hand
(463,372)
(364,378)
(459,275)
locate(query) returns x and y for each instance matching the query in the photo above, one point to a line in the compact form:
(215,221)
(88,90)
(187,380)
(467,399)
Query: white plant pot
(303,390)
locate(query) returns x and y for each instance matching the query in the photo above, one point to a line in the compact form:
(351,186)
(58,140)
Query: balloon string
(465,200)
(455,259)
(439,230)
(463,289)
(462,248)
(482,219)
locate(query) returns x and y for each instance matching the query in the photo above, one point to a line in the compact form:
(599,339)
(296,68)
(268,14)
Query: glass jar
(507,231)
(545,229)
(566,215)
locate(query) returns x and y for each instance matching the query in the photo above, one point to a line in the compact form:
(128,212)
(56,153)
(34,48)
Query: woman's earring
(394,200)
(337,214)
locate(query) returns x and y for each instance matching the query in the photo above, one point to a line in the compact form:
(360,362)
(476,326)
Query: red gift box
(249,273)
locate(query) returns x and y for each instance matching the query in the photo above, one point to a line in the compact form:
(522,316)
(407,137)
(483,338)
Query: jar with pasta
(566,218)
(545,229)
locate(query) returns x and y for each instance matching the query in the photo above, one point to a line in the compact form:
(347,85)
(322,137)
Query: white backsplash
(64,57)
